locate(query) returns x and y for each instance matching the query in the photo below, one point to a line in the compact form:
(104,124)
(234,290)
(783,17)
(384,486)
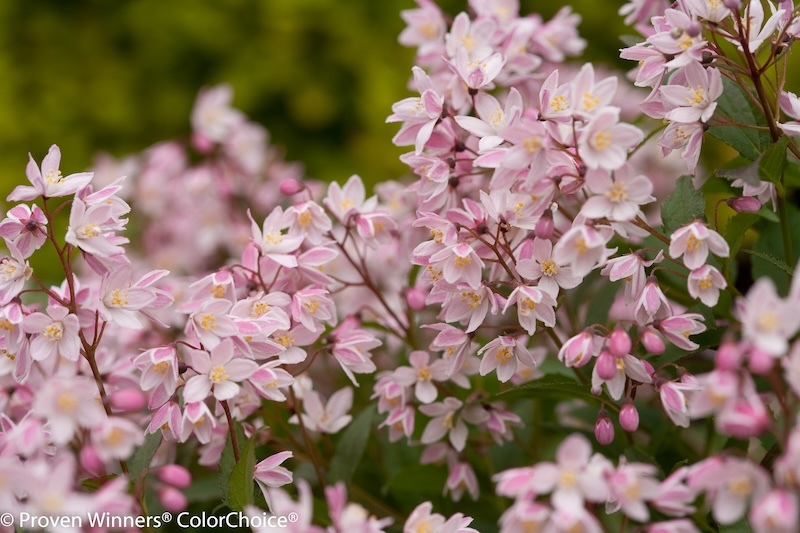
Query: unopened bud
(201,143)
(744,204)
(604,428)
(127,400)
(619,343)
(653,343)
(694,29)
(733,5)
(729,356)
(545,226)
(606,365)
(415,299)
(290,186)
(760,362)
(629,417)
(91,461)
(175,475)
(172,499)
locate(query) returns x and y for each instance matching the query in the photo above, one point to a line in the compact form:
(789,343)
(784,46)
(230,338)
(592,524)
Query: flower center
(559,103)
(53,332)
(617,193)
(119,298)
(209,322)
(503,355)
(590,101)
(549,268)
(304,219)
(602,140)
(218,374)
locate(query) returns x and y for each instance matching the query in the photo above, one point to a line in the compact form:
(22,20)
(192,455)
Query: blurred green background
(321,75)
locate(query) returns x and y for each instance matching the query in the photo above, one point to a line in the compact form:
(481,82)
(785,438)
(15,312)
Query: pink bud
(760,362)
(172,499)
(619,343)
(629,417)
(694,29)
(776,511)
(744,204)
(578,350)
(606,365)
(91,462)
(729,356)
(733,5)
(545,226)
(604,428)
(127,400)
(201,143)
(653,343)
(290,186)
(416,299)
(175,475)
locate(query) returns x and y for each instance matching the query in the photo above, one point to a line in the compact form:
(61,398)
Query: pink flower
(350,199)
(686,136)
(460,263)
(268,380)
(532,305)
(542,267)
(56,334)
(68,404)
(116,438)
(678,328)
(630,268)
(25,228)
(211,323)
(444,421)
(576,476)
(92,227)
(421,374)
(14,272)
(652,304)
(619,199)
(461,477)
(159,368)
(694,241)
(730,483)
(767,320)
(777,511)
(122,301)
(503,354)
(219,371)
(269,474)
(48,182)
(632,484)
(578,350)
(692,94)
(197,419)
(328,418)
(583,248)
(705,283)
(604,142)
(493,118)
(673,399)
(212,115)
(271,240)
(476,73)
(421,519)
(311,306)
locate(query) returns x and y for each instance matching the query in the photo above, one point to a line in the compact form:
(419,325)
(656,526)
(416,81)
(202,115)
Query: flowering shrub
(536,322)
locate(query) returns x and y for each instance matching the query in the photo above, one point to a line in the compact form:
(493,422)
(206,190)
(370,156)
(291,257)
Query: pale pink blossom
(330,417)
(605,142)
(219,371)
(56,334)
(705,283)
(25,227)
(503,354)
(543,268)
(48,182)
(422,374)
(269,474)
(619,199)
(692,94)
(694,241)
(583,248)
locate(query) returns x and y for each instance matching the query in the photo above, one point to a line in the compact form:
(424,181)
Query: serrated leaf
(780,263)
(351,446)
(227,461)
(240,483)
(141,459)
(552,385)
(750,143)
(772,163)
(682,206)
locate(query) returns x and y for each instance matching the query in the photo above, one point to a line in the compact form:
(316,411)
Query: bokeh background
(321,75)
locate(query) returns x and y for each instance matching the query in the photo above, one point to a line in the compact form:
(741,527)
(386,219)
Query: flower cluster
(531,282)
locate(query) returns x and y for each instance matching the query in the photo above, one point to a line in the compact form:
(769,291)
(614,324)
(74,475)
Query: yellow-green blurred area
(118,76)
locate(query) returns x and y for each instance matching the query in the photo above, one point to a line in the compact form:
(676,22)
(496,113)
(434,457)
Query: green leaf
(739,527)
(772,163)
(750,143)
(552,385)
(240,483)
(351,446)
(420,480)
(780,263)
(141,459)
(735,232)
(682,206)
(227,461)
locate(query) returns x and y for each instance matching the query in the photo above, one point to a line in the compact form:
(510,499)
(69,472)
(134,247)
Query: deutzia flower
(694,241)
(48,182)
(503,354)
